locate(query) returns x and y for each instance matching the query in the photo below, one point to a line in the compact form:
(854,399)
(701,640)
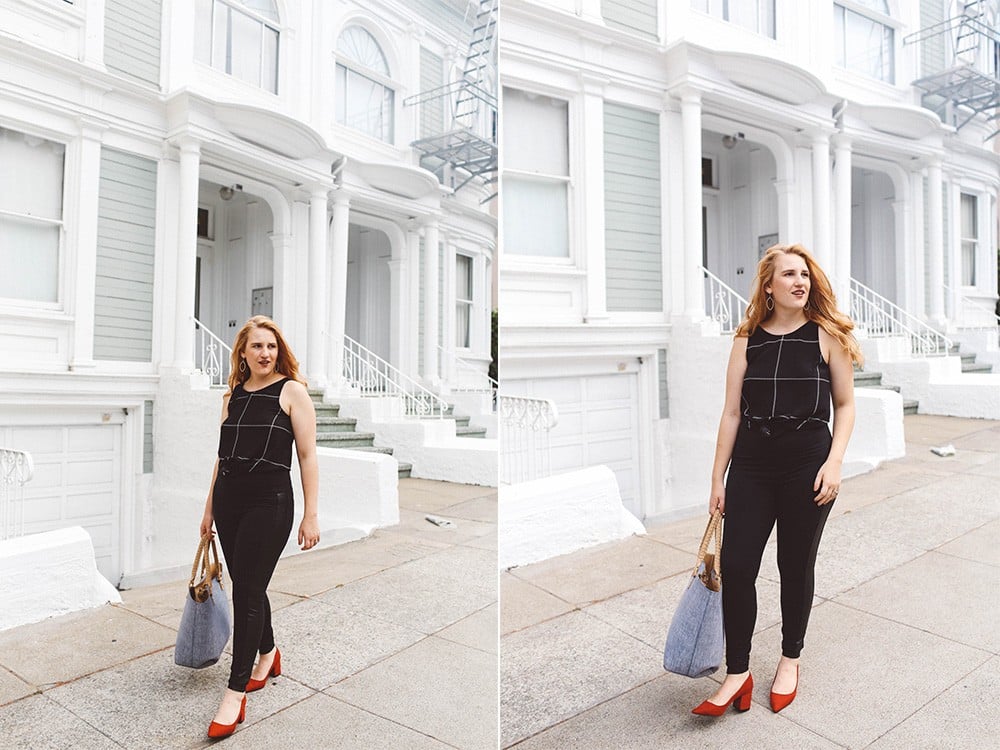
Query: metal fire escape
(971,85)
(468,148)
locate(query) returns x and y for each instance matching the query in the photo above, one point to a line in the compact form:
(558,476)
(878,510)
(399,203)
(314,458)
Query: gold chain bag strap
(712,575)
(207,557)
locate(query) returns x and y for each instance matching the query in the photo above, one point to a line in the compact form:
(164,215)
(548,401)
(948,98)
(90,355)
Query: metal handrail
(373,376)
(16,470)
(488,384)
(976,303)
(880,318)
(525,424)
(208,354)
(723,304)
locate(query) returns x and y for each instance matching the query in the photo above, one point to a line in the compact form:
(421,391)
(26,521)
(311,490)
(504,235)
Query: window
(30,216)
(239,37)
(536,174)
(463,300)
(755,15)
(970,238)
(864,40)
(364,99)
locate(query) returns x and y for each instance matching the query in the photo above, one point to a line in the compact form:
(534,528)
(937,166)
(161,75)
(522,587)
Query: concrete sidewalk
(386,642)
(902,649)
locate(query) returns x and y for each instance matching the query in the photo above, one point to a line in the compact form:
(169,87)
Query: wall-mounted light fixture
(730,141)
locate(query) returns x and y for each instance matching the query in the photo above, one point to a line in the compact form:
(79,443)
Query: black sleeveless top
(787,382)
(256,435)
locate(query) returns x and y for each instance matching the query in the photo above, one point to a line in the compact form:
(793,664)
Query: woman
(266,407)
(791,356)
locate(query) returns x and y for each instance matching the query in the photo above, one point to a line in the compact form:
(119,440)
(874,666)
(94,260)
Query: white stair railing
(16,470)
(723,304)
(211,354)
(470,378)
(525,424)
(880,318)
(373,376)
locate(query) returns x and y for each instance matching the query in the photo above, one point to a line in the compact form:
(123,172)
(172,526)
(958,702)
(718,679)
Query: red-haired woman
(791,357)
(266,408)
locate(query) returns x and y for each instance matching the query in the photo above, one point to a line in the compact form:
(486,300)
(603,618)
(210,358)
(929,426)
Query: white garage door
(598,424)
(76,483)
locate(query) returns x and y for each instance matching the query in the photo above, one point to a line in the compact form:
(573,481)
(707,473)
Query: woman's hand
(206,524)
(309,532)
(717,500)
(827,483)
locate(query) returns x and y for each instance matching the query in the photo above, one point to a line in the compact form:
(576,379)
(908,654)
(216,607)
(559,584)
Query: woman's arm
(827,483)
(208,518)
(729,424)
(303,415)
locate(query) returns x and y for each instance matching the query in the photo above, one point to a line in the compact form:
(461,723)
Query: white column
(591,165)
(337,291)
(787,226)
(93,42)
(317,292)
(915,254)
(694,288)
(821,199)
(840,272)
(590,10)
(447,293)
(87,170)
(953,251)
(935,242)
(397,305)
(671,216)
(411,337)
(284,282)
(187,253)
(431,294)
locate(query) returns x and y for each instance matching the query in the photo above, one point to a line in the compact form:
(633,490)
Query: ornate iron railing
(524,425)
(16,470)
(880,318)
(211,354)
(371,375)
(723,304)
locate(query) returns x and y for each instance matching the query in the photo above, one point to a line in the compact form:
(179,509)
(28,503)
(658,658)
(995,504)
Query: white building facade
(651,145)
(170,161)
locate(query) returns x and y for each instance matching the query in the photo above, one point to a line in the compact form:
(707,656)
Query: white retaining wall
(49,574)
(559,514)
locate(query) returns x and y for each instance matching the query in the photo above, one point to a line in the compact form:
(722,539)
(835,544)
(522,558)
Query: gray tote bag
(205,624)
(695,640)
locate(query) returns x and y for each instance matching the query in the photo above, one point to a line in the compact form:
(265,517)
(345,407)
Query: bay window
(240,38)
(864,40)
(365,99)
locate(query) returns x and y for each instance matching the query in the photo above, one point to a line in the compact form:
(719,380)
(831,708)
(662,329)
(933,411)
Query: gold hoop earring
(769,304)
(243,366)
(807,304)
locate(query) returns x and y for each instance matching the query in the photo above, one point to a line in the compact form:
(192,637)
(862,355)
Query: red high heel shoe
(780,700)
(275,671)
(741,700)
(216,730)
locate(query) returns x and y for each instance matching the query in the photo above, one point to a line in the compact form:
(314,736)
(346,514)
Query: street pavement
(903,646)
(387,642)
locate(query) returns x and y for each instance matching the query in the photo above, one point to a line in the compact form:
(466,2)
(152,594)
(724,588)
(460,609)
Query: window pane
(535,132)
(264,8)
(463,277)
(535,217)
(462,325)
(969,262)
(246,43)
(840,36)
(29,256)
(969,216)
(388,98)
(203,32)
(38,164)
(220,38)
(358,46)
(269,67)
(340,100)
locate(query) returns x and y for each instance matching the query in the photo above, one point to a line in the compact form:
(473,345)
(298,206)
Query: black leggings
(253,515)
(771,478)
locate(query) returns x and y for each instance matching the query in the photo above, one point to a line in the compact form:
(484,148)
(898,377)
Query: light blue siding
(635,16)
(126,228)
(932,50)
(446,15)
(633,254)
(132,38)
(661,368)
(147,437)
(432,111)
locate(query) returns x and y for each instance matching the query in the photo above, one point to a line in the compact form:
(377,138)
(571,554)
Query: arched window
(364,97)
(239,37)
(865,39)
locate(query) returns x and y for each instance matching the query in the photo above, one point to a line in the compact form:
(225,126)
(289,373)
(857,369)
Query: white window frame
(969,242)
(721,11)
(525,259)
(58,305)
(469,304)
(886,21)
(352,67)
(266,23)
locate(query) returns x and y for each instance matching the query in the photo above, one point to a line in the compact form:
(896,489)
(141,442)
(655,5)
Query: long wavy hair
(821,308)
(285,364)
